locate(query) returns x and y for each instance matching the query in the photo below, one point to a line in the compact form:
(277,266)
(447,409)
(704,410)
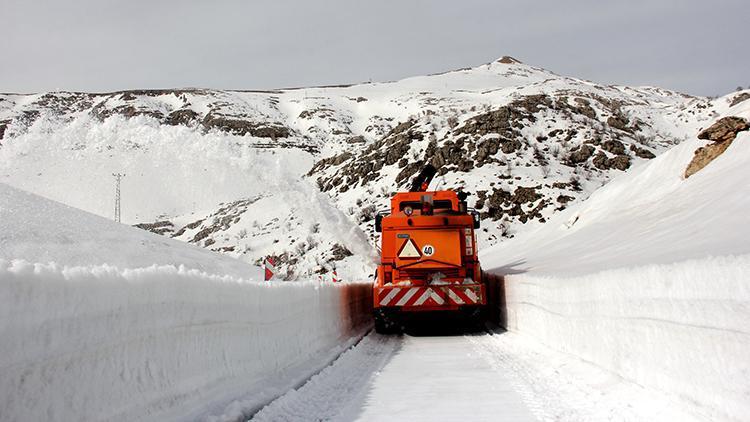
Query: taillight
(387,277)
(469,242)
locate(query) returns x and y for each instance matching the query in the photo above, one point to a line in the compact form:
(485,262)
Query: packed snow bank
(129,325)
(160,343)
(648,278)
(661,326)
(36,229)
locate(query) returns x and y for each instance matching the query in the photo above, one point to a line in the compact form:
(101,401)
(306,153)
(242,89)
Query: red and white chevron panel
(431,295)
(269,268)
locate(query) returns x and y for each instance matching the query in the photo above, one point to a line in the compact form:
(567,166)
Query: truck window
(443,204)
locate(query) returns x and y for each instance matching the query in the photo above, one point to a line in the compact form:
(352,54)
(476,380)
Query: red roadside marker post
(269,267)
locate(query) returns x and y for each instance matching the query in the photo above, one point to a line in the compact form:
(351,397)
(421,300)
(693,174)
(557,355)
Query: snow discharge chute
(422,181)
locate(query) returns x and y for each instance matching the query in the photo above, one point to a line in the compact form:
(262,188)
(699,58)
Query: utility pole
(118,177)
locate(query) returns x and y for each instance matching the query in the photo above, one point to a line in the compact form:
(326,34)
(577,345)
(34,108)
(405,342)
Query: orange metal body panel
(428,262)
(442,244)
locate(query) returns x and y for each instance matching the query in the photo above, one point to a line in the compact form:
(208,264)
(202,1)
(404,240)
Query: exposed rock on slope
(721,134)
(556,138)
(744,96)
(725,129)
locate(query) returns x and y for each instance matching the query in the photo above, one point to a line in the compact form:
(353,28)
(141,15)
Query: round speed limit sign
(428,250)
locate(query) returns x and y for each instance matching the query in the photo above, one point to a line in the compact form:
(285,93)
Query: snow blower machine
(428,256)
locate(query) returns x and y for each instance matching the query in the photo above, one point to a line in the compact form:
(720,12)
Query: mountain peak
(508,60)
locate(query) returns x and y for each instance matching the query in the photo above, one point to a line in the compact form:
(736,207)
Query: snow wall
(678,328)
(162,342)
(648,278)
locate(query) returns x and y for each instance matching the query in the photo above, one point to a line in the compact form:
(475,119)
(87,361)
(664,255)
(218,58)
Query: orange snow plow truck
(428,256)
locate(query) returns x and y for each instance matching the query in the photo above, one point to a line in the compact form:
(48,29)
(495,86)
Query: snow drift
(183,177)
(143,340)
(36,229)
(648,279)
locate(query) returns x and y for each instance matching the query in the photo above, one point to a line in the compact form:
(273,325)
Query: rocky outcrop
(65,101)
(724,129)
(451,156)
(508,60)
(642,152)
(721,134)
(183,117)
(339,252)
(359,139)
(222,220)
(705,155)
(489,147)
(613,147)
(583,107)
(364,168)
(239,127)
(618,162)
(165,228)
(502,203)
(580,154)
(307,114)
(128,111)
(601,160)
(740,98)
(223,116)
(505,121)
(618,122)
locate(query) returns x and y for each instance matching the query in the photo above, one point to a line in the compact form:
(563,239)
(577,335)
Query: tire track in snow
(561,388)
(333,393)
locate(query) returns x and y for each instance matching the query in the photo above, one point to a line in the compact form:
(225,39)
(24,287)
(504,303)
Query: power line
(118,177)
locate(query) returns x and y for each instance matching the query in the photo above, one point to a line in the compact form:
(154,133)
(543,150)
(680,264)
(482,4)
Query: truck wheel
(385,324)
(380,326)
(475,318)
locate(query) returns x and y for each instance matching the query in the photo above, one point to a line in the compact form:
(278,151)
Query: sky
(693,46)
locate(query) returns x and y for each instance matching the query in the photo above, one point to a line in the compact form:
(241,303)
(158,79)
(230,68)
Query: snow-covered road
(442,378)
(478,377)
(406,378)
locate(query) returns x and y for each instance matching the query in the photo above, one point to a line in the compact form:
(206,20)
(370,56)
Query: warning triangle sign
(409,250)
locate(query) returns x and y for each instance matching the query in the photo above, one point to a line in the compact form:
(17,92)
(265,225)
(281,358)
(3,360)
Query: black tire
(380,326)
(476,317)
(385,324)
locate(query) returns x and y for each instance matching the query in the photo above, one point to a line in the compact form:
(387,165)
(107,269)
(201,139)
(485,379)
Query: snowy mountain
(231,170)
